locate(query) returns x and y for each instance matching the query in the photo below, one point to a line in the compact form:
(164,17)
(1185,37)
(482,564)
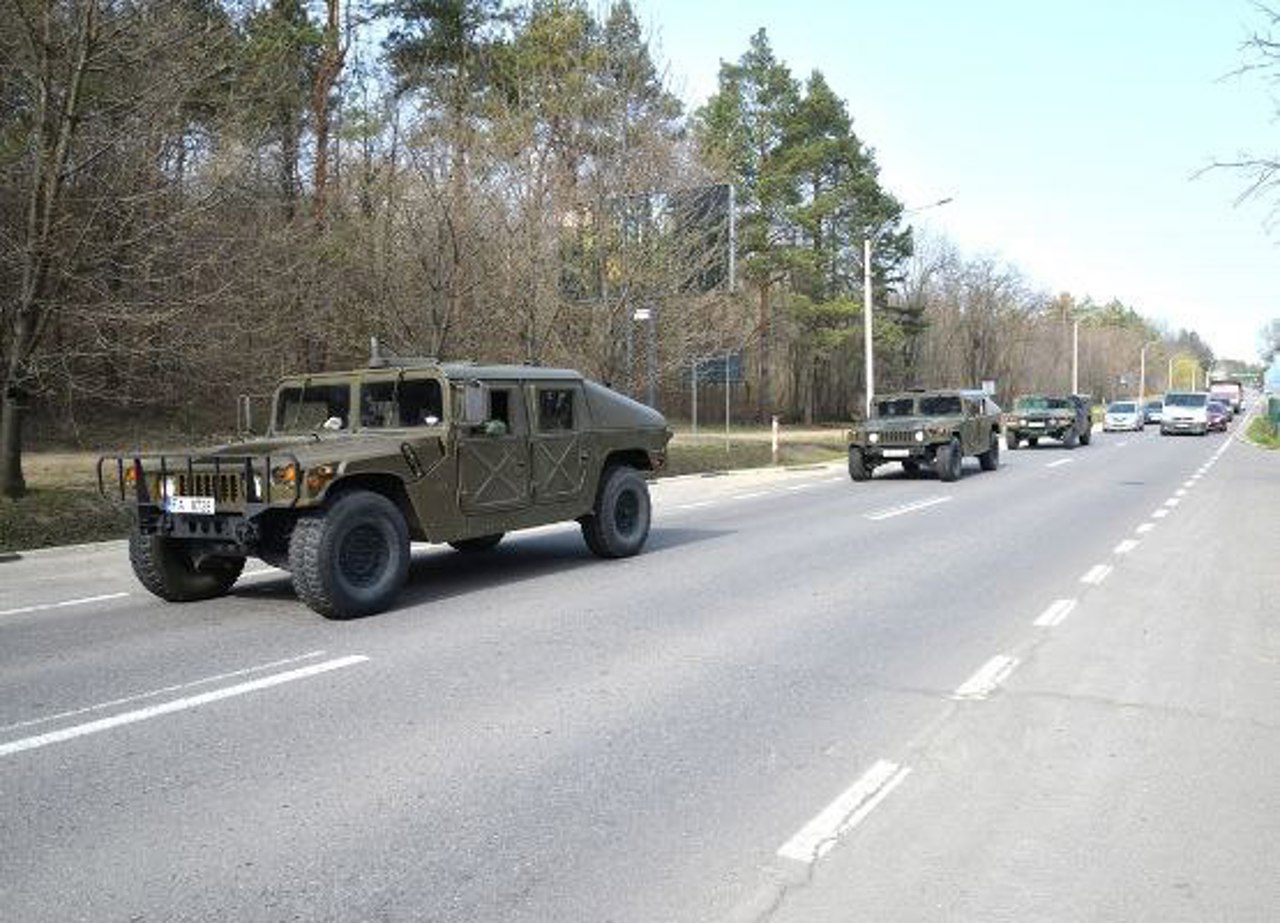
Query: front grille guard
(237,483)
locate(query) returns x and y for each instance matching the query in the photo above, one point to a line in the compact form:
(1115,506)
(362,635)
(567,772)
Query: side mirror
(475,403)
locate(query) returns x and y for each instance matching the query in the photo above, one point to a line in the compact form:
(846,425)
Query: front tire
(858,469)
(948,461)
(619,524)
(1071,439)
(166,567)
(1010,441)
(353,558)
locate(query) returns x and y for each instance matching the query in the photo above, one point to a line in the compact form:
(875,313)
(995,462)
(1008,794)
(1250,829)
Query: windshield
(1031,403)
(1185,400)
(1122,407)
(310,407)
(940,406)
(896,407)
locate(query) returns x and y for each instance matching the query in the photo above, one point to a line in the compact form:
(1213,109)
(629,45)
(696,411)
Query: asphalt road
(1043,693)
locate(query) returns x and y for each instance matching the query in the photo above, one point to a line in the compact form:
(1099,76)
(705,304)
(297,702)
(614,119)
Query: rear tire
(948,461)
(352,559)
(1010,441)
(619,524)
(166,568)
(990,459)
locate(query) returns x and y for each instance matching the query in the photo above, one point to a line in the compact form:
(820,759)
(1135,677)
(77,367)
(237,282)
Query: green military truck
(357,464)
(1036,416)
(927,429)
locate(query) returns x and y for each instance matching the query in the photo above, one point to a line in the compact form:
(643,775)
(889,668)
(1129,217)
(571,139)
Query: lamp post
(868,347)
(1142,372)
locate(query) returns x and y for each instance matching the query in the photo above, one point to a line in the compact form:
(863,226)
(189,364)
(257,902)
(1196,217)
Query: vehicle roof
(928,392)
(451,370)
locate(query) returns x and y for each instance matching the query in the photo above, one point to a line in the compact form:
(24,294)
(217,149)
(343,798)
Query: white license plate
(1036,425)
(200,506)
(896,453)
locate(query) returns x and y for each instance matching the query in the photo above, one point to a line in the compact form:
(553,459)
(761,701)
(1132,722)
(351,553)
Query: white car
(1185,412)
(1121,416)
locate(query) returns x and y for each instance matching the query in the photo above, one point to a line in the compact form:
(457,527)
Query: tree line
(197,196)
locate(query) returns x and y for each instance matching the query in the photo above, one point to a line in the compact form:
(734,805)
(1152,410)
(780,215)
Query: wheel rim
(626,512)
(363,555)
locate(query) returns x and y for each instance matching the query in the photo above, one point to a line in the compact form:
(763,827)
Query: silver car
(1122,416)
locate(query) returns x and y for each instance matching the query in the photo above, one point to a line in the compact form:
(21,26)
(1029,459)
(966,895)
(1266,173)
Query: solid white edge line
(816,838)
(175,705)
(988,678)
(1056,613)
(1126,546)
(1096,574)
(43,607)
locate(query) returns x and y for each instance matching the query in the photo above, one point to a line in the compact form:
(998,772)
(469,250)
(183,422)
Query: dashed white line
(694,506)
(1061,461)
(987,679)
(1172,502)
(165,708)
(820,835)
(83,601)
(1159,514)
(1096,574)
(905,508)
(801,486)
(1145,528)
(750,496)
(1189,483)
(1126,546)
(1180,492)
(1056,613)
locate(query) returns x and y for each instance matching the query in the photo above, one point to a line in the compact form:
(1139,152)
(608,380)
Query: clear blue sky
(1069,134)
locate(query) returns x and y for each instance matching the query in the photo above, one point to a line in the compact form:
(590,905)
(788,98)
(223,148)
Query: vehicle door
(408,406)
(557,443)
(493,456)
(973,429)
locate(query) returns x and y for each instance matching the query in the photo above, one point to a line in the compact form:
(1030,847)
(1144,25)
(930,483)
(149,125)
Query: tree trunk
(331,61)
(763,398)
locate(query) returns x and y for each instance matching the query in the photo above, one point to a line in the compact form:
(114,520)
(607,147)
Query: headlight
(170,487)
(919,435)
(285,474)
(319,476)
(873,438)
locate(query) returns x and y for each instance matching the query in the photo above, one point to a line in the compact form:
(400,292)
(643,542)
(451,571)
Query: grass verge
(1264,432)
(59,516)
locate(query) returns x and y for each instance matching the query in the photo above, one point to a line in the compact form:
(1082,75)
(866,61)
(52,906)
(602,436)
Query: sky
(1073,137)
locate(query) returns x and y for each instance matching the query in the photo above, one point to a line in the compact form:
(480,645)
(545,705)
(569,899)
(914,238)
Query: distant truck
(1229,391)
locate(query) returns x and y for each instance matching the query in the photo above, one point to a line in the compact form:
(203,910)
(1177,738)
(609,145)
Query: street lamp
(868,349)
(1075,350)
(1142,372)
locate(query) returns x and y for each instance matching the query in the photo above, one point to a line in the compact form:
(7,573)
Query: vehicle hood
(311,449)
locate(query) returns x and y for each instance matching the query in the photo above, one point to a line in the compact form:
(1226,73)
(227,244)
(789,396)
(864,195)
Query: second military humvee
(934,429)
(356,464)
(1035,417)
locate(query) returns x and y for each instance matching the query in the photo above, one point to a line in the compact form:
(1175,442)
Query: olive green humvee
(1064,417)
(934,429)
(357,464)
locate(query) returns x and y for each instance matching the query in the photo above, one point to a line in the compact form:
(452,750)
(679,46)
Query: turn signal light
(318,477)
(285,474)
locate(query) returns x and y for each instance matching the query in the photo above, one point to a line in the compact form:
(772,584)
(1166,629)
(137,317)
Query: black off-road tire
(948,461)
(1071,439)
(1010,441)
(911,467)
(165,566)
(1033,441)
(351,559)
(858,469)
(990,459)
(476,545)
(618,525)
(1087,436)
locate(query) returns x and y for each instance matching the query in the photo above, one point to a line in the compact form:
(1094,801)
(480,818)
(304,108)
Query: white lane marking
(818,837)
(1159,514)
(1096,574)
(1180,492)
(840,479)
(801,486)
(1172,501)
(905,508)
(694,506)
(265,572)
(1056,613)
(1126,546)
(84,601)
(1189,483)
(175,705)
(1145,528)
(1119,445)
(750,496)
(988,678)
(139,696)
(1061,461)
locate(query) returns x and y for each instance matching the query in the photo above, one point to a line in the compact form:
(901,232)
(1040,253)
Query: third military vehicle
(356,464)
(933,429)
(1037,416)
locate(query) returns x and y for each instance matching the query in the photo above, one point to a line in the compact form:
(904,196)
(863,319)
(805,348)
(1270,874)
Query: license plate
(199,506)
(896,453)
(1036,425)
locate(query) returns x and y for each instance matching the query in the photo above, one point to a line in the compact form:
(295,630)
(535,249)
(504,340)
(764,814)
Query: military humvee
(356,464)
(934,428)
(1062,417)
